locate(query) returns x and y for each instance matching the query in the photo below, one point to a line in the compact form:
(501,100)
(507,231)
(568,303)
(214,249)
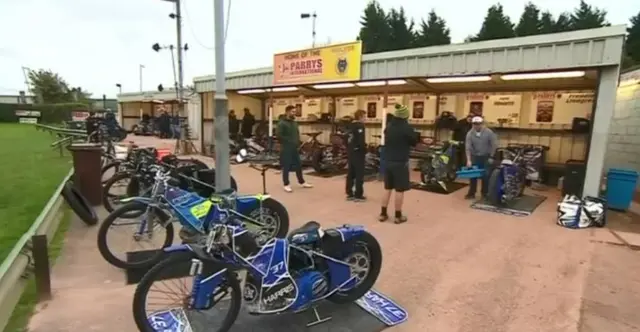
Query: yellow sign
(333,63)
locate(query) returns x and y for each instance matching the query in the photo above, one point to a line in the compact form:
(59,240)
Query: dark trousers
(290,161)
(355,175)
(461,156)
(483,163)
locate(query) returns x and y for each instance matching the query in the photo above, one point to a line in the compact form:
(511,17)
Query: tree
(632,44)
(563,23)
(530,23)
(402,36)
(550,25)
(433,32)
(49,87)
(588,17)
(496,25)
(374,31)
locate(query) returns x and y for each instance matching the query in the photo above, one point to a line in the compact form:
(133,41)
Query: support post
(42,272)
(221,124)
(270,119)
(180,49)
(601,120)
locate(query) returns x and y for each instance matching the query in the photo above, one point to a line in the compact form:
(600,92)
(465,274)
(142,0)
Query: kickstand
(318,320)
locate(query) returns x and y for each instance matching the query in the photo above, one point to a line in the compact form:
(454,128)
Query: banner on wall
(551,107)
(333,63)
(500,108)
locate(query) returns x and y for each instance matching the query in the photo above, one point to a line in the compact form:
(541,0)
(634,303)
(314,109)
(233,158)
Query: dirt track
(451,267)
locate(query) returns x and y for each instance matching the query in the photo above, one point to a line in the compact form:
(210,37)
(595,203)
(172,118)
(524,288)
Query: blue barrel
(621,186)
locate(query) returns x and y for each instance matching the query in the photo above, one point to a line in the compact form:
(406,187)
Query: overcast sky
(98,43)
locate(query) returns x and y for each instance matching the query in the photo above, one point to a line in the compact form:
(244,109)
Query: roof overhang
(575,50)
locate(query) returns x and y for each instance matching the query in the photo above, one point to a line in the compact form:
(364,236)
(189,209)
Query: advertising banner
(333,63)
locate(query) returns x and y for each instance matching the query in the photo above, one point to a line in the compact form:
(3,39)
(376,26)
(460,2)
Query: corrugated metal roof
(166,95)
(575,49)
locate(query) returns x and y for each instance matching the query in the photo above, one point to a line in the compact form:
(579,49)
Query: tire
(316,161)
(133,189)
(106,253)
(275,208)
(142,290)
(494,192)
(375,263)
(115,165)
(79,204)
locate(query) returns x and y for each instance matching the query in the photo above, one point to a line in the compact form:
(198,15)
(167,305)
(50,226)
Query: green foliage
(588,17)
(496,25)
(402,36)
(433,32)
(375,31)
(49,87)
(632,44)
(530,23)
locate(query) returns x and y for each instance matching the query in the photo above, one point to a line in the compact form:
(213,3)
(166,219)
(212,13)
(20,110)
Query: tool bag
(574,212)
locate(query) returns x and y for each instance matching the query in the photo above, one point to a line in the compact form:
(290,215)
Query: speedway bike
(284,275)
(439,166)
(265,217)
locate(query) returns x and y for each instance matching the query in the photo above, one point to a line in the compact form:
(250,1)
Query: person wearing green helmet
(399,138)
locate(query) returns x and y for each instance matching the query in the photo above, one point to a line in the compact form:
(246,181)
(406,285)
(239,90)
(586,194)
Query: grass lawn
(30,171)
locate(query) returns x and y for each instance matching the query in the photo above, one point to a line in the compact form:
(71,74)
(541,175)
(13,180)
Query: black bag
(580,125)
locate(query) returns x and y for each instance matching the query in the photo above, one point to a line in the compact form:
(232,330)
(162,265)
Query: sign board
(333,63)
(560,107)
(28,120)
(35,114)
(79,116)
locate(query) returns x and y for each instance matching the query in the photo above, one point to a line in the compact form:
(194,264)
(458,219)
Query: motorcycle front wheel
(178,290)
(364,255)
(131,235)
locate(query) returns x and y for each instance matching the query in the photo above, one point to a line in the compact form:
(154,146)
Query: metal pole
(313,30)
(176,84)
(180,46)
(221,124)
(141,67)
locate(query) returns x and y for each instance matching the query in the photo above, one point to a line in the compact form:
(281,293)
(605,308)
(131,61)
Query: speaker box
(574,174)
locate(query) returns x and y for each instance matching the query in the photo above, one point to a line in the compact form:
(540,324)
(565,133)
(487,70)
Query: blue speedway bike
(264,217)
(285,275)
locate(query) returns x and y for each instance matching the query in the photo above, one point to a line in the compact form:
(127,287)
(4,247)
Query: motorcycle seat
(313,134)
(306,233)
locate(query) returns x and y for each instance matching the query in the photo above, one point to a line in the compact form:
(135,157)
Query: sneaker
(350,198)
(306,185)
(360,199)
(288,189)
(469,196)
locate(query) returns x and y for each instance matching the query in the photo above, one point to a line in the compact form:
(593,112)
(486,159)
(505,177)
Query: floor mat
(437,189)
(133,276)
(328,174)
(522,207)
(372,313)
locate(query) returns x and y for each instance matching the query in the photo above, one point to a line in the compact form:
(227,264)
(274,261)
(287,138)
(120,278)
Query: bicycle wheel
(120,186)
(151,313)
(136,235)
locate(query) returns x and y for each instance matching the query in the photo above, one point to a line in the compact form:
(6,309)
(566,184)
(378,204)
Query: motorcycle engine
(311,285)
(272,298)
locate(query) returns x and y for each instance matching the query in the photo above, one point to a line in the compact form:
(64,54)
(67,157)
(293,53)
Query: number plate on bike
(201,210)
(173,320)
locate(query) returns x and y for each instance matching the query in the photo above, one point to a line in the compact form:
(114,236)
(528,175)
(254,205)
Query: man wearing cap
(399,137)
(480,144)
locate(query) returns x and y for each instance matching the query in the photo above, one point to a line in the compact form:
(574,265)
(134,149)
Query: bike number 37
(201,209)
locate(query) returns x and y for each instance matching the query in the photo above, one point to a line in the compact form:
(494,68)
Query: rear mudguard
(347,232)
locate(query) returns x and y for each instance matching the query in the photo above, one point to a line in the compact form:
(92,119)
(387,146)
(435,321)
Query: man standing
(481,144)
(234,125)
(289,136)
(399,138)
(248,121)
(460,135)
(356,149)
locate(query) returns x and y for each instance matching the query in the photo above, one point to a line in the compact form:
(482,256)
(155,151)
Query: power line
(193,33)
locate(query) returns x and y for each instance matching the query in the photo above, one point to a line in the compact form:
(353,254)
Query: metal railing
(65,136)
(30,255)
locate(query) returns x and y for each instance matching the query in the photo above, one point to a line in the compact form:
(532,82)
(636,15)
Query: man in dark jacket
(356,151)
(399,138)
(248,121)
(164,124)
(289,137)
(234,125)
(460,135)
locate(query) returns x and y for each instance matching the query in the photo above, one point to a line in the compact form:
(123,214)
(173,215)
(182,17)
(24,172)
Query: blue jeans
(483,163)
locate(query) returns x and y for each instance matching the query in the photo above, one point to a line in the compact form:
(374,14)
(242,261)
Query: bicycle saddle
(313,134)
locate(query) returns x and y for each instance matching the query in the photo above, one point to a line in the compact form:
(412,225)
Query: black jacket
(462,128)
(356,139)
(247,125)
(234,125)
(399,137)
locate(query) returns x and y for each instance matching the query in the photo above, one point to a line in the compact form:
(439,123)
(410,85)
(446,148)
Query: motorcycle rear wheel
(366,245)
(494,195)
(165,267)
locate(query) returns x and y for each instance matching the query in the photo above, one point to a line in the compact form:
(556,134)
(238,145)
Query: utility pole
(180,46)
(221,124)
(313,17)
(141,68)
